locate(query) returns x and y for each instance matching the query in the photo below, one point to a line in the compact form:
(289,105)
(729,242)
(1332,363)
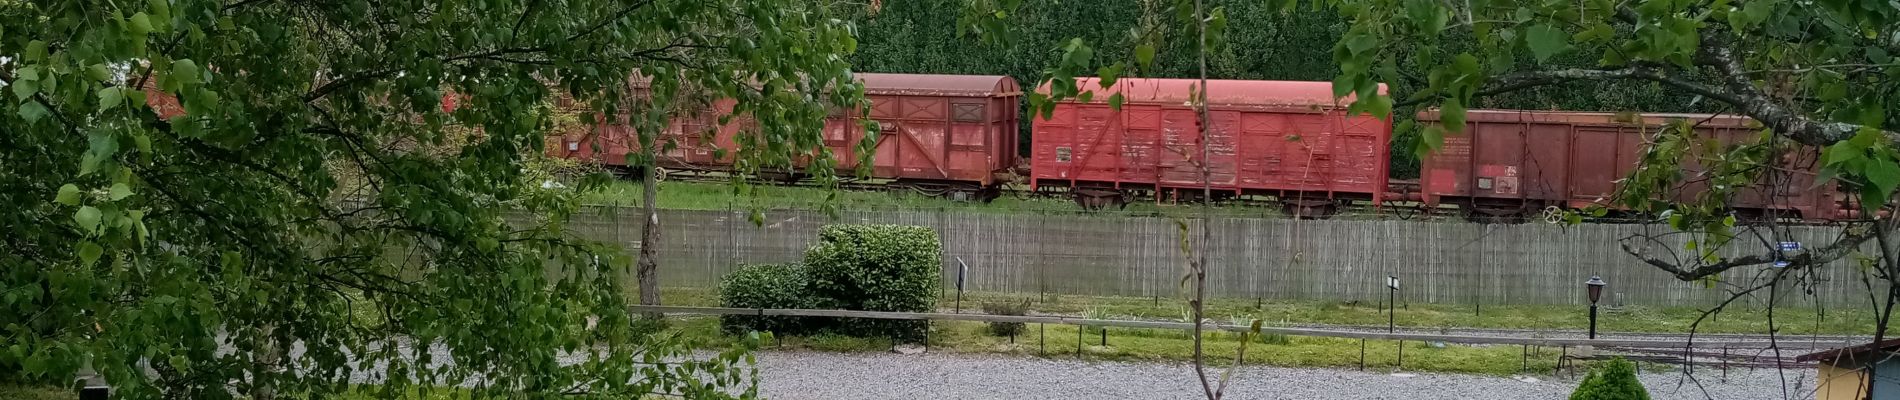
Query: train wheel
(1094,200)
(989,194)
(659,174)
(1315,211)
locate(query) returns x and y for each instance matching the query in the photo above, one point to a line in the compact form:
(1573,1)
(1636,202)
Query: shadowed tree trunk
(648,270)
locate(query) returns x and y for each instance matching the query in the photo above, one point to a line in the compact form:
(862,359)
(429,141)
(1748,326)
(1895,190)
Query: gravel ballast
(798,375)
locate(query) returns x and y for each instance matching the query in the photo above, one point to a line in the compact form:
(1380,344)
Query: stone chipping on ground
(800,375)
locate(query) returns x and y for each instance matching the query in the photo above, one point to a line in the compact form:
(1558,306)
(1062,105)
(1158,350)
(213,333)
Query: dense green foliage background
(920,36)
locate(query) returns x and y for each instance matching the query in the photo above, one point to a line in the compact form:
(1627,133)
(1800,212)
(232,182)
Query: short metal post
(1104,336)
(1724,363)
(1042,339)
(926,336)
(959,300)
(1527,359)
(1562,357)
(1078,340)
(1362,354)
(1401,363)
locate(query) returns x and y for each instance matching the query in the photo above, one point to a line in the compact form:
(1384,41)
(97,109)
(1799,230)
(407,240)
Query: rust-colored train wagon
(1508,165)
(1292,141)
(948,134)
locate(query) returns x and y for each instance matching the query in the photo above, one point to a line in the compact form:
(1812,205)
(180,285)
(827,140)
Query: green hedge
(877,268)
(767,286)
(852,267)
(1613,380)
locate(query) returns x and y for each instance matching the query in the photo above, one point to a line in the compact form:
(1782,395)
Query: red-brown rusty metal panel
(1509,159)
(1265,137)
(936,128)
(953,128)
(164,105)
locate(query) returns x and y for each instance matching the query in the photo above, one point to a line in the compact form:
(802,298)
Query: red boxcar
(952,134)
(1509,164)
(1289,140)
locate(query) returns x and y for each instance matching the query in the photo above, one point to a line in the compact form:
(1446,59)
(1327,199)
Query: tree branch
(1850,240)
(1717,54)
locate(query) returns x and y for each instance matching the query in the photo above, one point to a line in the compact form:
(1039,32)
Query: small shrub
(1612,380)
(767,286)
(1095,313)
(1241,321)
(877,268)
(1276,339)
(1006,308)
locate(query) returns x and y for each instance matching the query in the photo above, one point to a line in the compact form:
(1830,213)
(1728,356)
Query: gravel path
(796,375)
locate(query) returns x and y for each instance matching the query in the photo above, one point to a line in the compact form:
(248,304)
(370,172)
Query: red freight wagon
(1289,140)
(949,134)
(1509,164)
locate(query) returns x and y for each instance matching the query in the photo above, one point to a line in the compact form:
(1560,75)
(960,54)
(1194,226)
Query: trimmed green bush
(1006,308)
(877,268)
(1612,380)
(767,286)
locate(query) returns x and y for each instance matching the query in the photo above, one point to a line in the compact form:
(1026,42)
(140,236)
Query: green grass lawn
(1791,321)
(1126,344)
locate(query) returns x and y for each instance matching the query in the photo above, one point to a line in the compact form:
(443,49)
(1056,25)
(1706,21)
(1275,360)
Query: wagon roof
(917,84)
(939,85)
(1596,118)
(1221,92)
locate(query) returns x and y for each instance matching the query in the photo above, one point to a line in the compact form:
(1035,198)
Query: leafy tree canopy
(309,206)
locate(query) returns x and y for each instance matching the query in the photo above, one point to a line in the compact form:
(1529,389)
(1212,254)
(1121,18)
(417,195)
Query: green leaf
(161,9)
(1115,101)
(88,219)
(1145,56)
(1451,115)
(119,191)
(98,72)
(68,195)
(1360,43)
(89,253)
(32,111)
(1546,41)
(110,97)
(1433,137)
(23,89)
(1842,152)
(1884,174)
(184,72)
(36,51)
(140,24)
(1108,74)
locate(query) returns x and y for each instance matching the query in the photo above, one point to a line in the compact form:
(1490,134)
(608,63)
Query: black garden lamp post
(1595,285)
